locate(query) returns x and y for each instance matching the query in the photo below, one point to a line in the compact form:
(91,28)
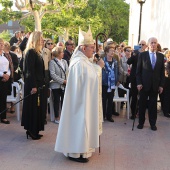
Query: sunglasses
(142,44)
(128,51)
(71,44)
(50,43)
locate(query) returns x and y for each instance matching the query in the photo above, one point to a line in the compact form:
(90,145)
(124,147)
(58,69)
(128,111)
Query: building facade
(155,15)
(11,26)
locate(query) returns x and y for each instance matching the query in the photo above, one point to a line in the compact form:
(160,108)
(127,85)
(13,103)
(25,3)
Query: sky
(128,1)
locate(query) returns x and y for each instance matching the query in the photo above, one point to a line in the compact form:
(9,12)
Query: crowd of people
(83,86)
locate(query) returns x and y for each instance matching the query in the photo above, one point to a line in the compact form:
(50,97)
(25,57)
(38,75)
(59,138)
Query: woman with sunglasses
(47,56)
(49,44)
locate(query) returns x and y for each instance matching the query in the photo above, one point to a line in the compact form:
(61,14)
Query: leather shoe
(115,113)
(110,119)
(154,128)
(45,122)
(80,159)
(133,117)
(140,126)
(167,115)
(5,121)
(39,135)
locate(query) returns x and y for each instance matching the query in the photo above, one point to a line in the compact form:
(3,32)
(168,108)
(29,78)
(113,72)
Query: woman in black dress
(33,106)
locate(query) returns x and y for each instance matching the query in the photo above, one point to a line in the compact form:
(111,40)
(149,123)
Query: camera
(137,47)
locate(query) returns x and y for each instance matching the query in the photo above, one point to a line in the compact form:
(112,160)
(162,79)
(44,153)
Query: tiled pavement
(121,148)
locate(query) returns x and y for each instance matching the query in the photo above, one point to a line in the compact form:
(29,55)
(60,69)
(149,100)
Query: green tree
(6,12)
(5,35)
(63,17)
(114,15)
(68,21)
(108,16)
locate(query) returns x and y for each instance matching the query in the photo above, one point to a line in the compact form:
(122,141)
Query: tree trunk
(66,34)
(37,21)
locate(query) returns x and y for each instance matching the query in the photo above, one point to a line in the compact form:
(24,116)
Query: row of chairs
(116,99)
(15,98)
(20,93)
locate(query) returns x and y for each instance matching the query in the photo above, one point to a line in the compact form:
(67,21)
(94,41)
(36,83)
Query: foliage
(108,16)
(5,35)
(6,13)
(114,15)
(28,23)
(65,19)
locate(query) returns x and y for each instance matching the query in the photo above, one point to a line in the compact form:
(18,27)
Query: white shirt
(61,63)
(150,54)
(4,65)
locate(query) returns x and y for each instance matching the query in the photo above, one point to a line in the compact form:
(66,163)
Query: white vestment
(81,116)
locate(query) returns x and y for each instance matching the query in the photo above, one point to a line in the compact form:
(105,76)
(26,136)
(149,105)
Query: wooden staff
(98,58)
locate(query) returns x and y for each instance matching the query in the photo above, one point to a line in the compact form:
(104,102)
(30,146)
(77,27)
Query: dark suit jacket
(13,40)
(15,61)
(133,61)
(67,56)
(148,77)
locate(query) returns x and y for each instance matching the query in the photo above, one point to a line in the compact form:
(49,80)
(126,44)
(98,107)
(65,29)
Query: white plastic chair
(14,99)
(22,88)
(118,99)
(50,101)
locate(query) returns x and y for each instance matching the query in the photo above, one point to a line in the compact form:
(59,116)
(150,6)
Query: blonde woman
(33,107)
(58,68)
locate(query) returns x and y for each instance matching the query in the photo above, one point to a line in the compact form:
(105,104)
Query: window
(9,23)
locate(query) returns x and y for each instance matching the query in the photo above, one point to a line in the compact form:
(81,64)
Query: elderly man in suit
(150,80)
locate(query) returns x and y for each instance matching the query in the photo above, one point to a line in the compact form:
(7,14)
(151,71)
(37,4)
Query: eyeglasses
(50,43)
(142,44)
(128,51)
(71,44)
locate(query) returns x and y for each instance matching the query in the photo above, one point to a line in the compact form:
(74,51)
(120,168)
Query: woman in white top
(6,75)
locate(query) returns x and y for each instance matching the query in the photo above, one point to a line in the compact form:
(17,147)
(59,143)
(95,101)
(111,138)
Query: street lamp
(141,2)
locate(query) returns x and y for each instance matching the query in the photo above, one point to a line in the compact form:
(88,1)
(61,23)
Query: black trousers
(134,93)
(152,106)
(3,97)
(166,97)
(107,101)
(58,95)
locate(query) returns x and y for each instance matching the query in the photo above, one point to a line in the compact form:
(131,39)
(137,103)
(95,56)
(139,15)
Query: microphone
(98,58)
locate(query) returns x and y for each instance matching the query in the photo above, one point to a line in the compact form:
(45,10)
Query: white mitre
(85,38)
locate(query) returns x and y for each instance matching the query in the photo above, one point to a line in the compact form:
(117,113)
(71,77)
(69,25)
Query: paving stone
(121,148)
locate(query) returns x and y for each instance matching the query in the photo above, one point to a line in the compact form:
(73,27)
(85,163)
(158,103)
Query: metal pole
(140,19)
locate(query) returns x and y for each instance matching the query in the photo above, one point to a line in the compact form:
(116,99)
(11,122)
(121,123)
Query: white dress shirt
(4,65)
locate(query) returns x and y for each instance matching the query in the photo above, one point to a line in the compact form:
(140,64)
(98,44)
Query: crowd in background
(51,71)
